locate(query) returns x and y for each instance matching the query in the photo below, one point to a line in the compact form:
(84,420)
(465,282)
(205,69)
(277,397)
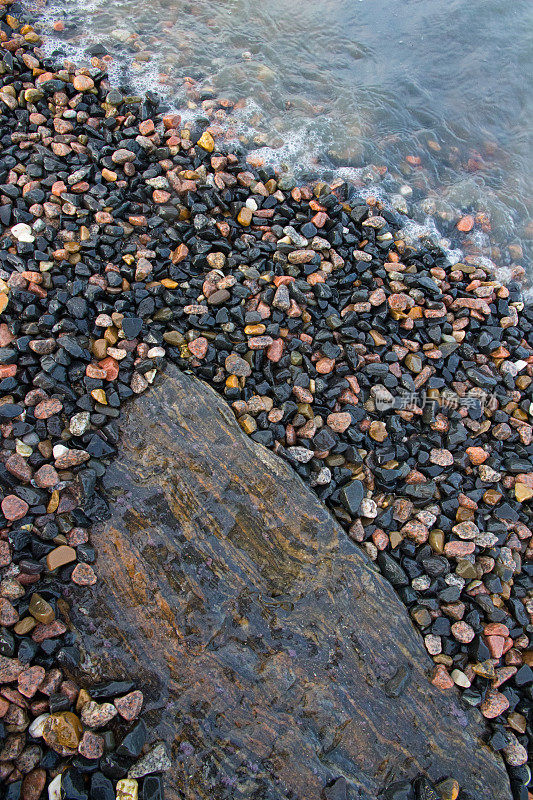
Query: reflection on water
(437,92)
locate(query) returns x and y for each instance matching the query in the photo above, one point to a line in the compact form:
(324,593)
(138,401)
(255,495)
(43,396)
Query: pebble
(62,731)
(91,745)
(339,422)
(352,496)
(235,365)
(14,508)
(157,760)
(60,556)
(494,704)
(97,716)
(127,789)
(129,706)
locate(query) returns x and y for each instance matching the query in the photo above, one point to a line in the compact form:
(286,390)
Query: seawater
(437,92)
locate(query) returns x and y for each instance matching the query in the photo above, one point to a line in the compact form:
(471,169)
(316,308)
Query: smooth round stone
(82,83)
(22,232)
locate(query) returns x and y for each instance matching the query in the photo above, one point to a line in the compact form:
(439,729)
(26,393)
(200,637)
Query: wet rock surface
(278,660)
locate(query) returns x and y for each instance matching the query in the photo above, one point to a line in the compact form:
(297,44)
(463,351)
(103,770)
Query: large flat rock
(267,640)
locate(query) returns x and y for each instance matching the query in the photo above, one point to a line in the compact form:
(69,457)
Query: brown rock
(96,716)
(477,455)
(99,348)
(259,531)
(466,530)
(463,632)
(444,458)
(219,297)
(413,362)
(40,609)
(60,556)
(275,350)
(82,83)
(8,613)
(259,342)
(244,217)
(19,467)
(441,678)
(494,704)
(459,549)
(50,631)
(63,731)
(378,431)
(72,458)
(30,680)
(495,645)
(198,347)
(416,530)
(236,365)
(301,256)
(84,575)
(10,669)
(33,784)
(523,492)
(207,142)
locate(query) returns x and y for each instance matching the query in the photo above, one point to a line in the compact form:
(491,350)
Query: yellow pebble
(99,396)
(207,142)
(53,502)
(127,789)
(523,492)
(109,175)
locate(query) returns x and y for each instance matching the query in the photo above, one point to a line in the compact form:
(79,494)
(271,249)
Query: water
(439,93)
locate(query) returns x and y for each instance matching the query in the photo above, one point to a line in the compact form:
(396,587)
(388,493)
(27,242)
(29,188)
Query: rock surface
(278,659)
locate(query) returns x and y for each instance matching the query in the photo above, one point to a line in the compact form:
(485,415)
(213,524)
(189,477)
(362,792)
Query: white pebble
(368,508)
(37,726)
(460,679)
(22,232)
(155,352)
(371,549)
(54,788)
(251,204)
(59,450)
(80,423)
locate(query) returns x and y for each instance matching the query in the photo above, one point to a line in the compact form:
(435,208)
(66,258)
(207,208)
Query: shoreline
(406,183)
(332,340)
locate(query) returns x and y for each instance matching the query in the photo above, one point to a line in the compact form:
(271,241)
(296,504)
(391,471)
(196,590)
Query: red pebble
(199,347)
(14,508)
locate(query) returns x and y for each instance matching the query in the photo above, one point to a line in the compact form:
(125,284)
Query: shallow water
(346,83)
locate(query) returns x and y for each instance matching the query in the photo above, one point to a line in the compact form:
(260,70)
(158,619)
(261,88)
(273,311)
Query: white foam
(295,152)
